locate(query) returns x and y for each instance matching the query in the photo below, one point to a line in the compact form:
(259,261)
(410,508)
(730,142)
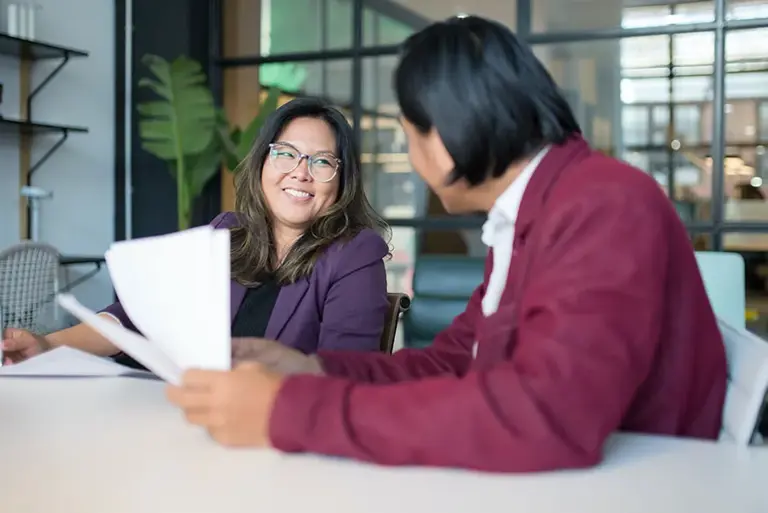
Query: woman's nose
(301,172)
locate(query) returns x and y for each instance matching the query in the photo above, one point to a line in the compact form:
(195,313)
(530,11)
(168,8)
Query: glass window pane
(329,79)
(688,124)
(559,16)
(746,9)
(381,29)
(660,124)
(764,120)
(653,123)
(271,27)
(635,124)
(392,187)
(407,16)
(744,166)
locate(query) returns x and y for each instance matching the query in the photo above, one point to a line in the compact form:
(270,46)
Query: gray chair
(29,274)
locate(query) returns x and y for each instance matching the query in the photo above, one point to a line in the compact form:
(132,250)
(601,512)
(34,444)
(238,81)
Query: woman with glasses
(307,249)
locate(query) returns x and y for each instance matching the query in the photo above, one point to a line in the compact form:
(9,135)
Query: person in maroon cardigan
(592,317)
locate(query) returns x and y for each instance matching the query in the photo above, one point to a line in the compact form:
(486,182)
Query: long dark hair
(254,253)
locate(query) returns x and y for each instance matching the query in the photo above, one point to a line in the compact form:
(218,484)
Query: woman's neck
(284,239)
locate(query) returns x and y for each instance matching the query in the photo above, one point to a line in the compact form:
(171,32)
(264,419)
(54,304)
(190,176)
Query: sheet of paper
(175,288)
(67,362)
(142,350)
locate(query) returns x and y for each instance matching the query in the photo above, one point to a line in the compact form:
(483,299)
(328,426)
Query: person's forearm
(404,365)
(84,338)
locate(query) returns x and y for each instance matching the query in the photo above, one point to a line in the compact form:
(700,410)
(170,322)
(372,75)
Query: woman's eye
(323,162)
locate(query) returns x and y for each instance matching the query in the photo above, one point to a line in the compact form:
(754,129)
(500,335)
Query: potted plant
(184,128)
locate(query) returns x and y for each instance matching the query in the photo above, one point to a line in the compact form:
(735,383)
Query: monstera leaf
(181,126)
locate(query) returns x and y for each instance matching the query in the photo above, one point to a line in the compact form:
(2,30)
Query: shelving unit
(28,52)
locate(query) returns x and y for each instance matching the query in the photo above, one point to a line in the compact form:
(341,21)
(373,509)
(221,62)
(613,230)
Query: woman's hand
(19,344)
(274,356)
(233,406)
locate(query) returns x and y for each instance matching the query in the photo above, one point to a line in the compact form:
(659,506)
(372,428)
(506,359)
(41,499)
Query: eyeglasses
(285,158)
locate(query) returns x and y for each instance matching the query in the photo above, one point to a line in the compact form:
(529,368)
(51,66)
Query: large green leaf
(183,122)
(180,126)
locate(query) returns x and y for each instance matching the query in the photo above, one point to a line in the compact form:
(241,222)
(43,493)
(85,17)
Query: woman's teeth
(298,194)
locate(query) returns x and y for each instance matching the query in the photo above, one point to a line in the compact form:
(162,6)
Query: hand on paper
(233,406)
(19,344)
(274,356)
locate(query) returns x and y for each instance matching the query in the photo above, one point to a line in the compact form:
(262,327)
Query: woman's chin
(294,221)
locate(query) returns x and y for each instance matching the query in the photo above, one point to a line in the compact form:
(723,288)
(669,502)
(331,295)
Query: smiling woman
(307,248)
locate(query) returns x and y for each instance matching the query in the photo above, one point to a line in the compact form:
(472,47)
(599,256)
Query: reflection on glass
(662,119)
(384,28)
(746,133)
(327,79)
(271,27)
(558,16)
(393,189)
(632,103)
(418,13)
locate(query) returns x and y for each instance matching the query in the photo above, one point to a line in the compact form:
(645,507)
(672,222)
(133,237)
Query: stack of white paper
(67,362)
(175,289)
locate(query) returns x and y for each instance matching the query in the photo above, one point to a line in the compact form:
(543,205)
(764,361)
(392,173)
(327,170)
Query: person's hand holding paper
(175,290)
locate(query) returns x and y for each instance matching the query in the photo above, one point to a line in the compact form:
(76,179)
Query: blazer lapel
(236,295)
(287,301)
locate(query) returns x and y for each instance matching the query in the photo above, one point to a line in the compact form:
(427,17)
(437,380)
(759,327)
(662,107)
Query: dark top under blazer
(252,319)
(342,305)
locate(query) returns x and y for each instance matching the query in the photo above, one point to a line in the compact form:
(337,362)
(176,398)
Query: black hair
(489,98)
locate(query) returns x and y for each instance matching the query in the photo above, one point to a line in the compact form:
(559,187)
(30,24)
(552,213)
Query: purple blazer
(342,305)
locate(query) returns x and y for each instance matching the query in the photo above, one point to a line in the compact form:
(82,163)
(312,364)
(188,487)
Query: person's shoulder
(360,250)
(225,220)
(365,243)
(601,182)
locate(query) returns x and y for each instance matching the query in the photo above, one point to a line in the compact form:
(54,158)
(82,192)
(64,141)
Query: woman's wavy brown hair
(253,253)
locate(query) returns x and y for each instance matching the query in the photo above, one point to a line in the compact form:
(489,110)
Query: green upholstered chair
(442,286)
(723,275)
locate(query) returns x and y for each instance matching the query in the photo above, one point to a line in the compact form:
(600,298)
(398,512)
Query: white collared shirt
(499,234)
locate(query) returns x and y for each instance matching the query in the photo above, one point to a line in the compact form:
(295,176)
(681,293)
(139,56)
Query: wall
(79,219)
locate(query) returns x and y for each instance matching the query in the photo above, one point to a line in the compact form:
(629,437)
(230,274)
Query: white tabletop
(113,445)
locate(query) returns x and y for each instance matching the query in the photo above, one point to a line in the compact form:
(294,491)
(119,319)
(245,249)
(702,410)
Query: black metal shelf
(11,126)
(26,49)
(31,128)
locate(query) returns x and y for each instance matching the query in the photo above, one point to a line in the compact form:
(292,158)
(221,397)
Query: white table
(114,445)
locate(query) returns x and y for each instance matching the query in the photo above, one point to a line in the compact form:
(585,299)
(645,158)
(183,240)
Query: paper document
(175,290)
(68,362)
